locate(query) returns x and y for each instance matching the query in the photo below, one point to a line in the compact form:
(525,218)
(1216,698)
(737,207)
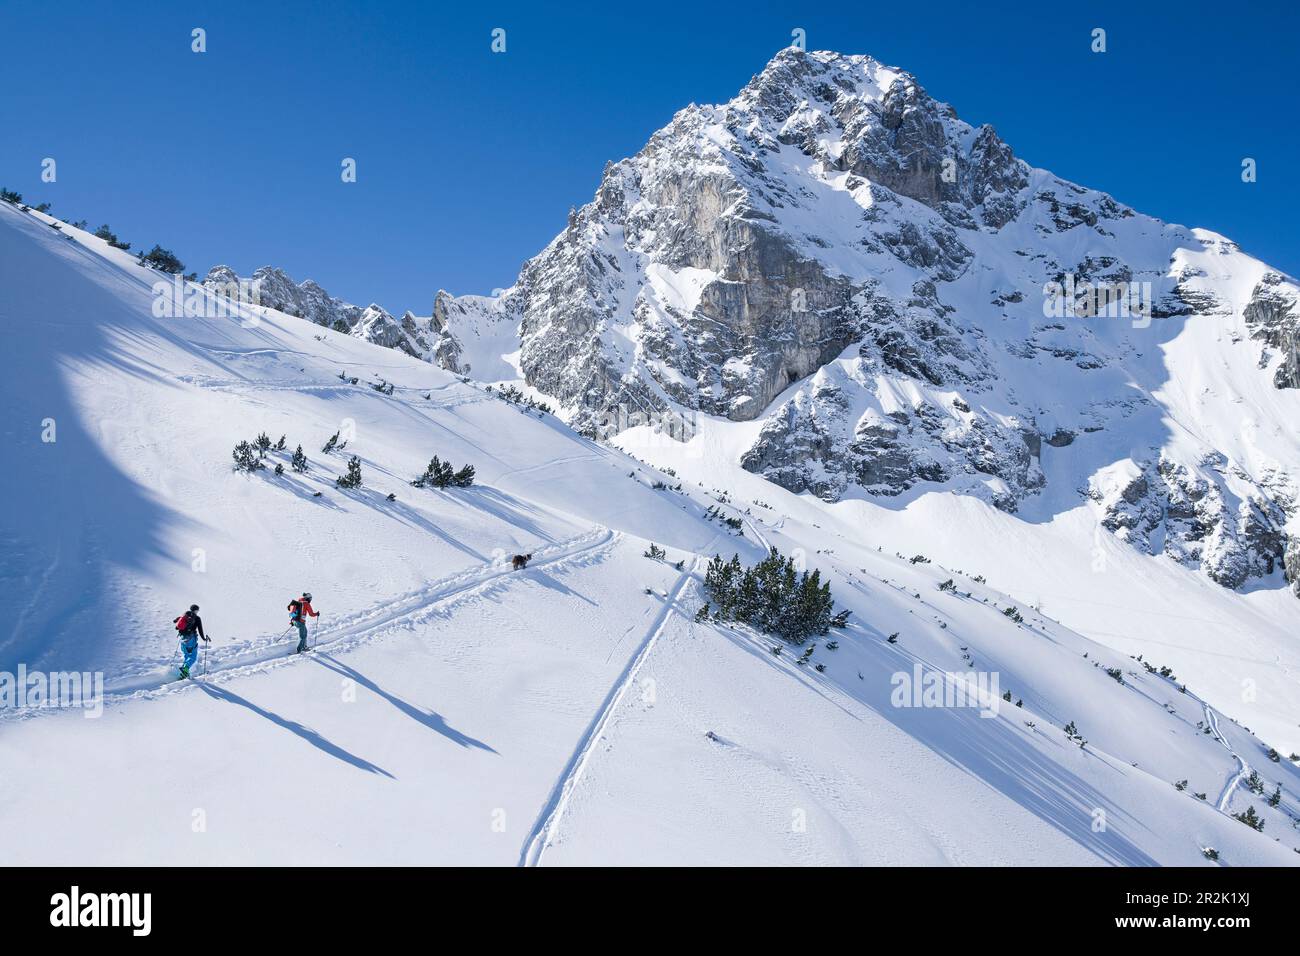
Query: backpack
(295,610)
(185,623)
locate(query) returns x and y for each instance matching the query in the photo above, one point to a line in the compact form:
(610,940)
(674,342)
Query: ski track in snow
(355,629)
(548,821)
(1243,768)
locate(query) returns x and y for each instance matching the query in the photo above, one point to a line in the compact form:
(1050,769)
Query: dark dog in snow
(520,561)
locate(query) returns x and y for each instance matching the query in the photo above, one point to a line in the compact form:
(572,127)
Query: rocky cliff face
(271,288)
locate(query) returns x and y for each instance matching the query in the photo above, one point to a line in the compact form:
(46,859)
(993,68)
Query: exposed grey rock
(273,289)
(1273,316)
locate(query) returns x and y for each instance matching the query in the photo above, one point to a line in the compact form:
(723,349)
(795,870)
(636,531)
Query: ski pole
(205,658)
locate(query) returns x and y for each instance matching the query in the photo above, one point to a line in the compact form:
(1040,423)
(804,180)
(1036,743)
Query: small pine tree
(353,478)
(299,461)
(656,553)
(263,443)
(279,446)
(279,468)
(703,613)
(246,458)
(464,478)
(1276,798)
(1251,819)
(162,259)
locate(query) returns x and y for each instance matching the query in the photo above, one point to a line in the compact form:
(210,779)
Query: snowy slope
(456,711)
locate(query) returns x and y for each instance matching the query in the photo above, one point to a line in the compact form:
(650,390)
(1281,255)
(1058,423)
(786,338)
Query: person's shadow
(430,719)
(306,733)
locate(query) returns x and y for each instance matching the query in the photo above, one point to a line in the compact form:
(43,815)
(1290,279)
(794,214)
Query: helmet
(307,595)
(194,607)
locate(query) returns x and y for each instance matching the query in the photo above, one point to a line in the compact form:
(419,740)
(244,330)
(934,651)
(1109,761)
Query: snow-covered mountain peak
(904,306)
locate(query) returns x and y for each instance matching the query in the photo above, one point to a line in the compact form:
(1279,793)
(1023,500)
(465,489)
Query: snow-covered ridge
(271,288)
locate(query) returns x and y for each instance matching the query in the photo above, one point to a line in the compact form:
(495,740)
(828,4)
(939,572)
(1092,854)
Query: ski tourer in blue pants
(190,628)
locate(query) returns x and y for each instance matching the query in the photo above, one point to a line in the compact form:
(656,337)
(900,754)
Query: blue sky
(468,161)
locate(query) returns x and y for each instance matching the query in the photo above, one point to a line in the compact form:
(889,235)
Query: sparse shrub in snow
(948,586)
(161,259)
(279,468)
(11,197)
(353,477)
(442,474)
(771,596)
(919,559)
(331,444)
(703,613)
(1210,853)
(392,496)
(1199,796)
(279,446)
(262,443)
(1251,819)
(105,233)
(892,638)
(1273,755)
(246,458)
(1116,673)
(1013,612)
(1276,798)
(1180,785)
(656,553)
